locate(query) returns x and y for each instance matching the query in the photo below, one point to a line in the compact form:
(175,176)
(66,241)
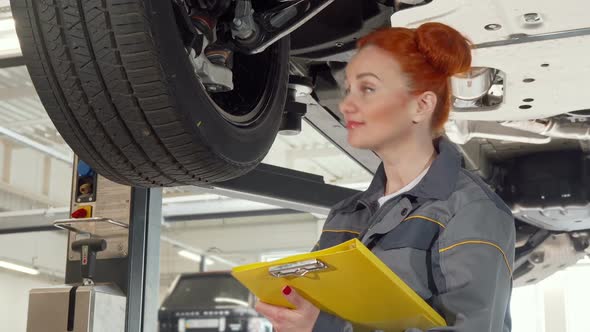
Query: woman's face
(378,106)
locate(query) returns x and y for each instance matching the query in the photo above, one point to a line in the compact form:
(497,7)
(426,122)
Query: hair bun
(444,47)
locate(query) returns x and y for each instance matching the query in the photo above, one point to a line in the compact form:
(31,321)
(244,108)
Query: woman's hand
(301,319)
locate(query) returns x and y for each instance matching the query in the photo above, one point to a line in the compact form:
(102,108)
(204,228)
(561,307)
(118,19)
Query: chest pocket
(417,232)
(343,226)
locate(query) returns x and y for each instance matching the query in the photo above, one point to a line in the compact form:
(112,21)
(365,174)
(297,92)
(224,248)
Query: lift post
(112,267)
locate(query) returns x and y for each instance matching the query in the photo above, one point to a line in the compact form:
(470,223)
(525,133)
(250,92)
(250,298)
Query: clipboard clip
(298,269)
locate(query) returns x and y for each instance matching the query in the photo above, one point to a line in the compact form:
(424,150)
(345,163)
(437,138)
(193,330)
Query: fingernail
(287,290)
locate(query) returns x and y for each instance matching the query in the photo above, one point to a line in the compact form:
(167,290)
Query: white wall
(1,157)
(60,182)
(14,298)
(528,306)
(557,304)
(577,297)
(47,250)
(27,174)
(239,240)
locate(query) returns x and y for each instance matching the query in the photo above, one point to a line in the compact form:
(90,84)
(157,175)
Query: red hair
(429,56)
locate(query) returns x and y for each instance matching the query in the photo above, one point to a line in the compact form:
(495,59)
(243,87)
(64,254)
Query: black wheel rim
(252,78)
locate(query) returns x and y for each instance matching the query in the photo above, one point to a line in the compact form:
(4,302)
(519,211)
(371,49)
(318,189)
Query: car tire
(116,81)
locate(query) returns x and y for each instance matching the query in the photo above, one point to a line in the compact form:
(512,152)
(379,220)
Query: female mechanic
(439,227)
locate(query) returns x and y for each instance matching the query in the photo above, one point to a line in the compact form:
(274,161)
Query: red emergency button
(80,213)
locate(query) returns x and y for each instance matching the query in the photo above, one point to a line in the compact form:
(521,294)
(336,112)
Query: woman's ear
(426,103)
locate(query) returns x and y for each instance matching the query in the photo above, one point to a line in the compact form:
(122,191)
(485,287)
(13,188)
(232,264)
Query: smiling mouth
(353,124)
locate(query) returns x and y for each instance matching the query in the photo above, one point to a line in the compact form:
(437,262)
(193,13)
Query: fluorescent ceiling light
(193,257)
(274,256)
(8,39)
(18,268)
(190,198)
(357,185)
(9,44)
(6,24)
(232,301)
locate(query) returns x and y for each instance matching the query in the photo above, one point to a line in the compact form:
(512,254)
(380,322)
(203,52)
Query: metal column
(144,261)
(131,262)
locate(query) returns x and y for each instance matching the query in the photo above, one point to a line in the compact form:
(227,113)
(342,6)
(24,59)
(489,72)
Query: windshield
(208,292)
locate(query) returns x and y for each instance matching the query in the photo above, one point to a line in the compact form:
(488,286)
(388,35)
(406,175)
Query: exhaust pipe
(462,131)
(550,128)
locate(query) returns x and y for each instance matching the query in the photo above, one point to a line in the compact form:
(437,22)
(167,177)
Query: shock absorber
(244,29)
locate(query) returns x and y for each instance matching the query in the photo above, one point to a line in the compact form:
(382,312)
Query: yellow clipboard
(346,280)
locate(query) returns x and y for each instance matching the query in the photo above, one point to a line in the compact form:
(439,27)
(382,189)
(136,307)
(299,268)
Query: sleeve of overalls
(472,268)
(331,323)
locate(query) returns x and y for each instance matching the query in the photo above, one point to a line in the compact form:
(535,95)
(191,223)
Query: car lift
(112,268)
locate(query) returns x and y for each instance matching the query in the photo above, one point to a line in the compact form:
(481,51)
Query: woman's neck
(404,161)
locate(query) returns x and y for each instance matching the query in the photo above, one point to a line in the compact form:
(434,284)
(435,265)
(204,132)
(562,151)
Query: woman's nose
(347,105)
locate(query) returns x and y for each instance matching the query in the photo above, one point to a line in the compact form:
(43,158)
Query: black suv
(210,302)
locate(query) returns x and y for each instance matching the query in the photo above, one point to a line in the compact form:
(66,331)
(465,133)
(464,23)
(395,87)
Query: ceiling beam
(28,123)
(282,187)
(36,199)
(28,220)
(22,139)
(12,61)
(8,93)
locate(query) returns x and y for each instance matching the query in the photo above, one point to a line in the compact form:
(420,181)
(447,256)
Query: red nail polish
(287,290)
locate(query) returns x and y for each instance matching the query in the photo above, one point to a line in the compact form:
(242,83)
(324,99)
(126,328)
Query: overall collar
(438,183)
